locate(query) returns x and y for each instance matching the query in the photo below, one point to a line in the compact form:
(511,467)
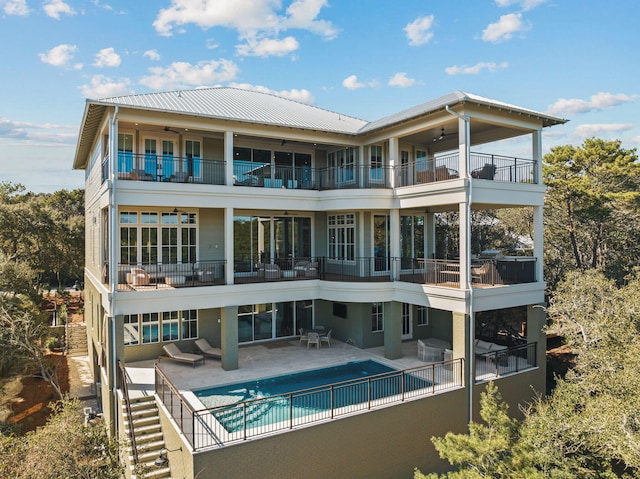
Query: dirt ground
(25,401)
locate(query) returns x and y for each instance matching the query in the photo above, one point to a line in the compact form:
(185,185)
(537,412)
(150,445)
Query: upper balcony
(445,273)
(194,170)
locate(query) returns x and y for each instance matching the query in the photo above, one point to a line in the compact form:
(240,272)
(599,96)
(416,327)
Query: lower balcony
(439,272)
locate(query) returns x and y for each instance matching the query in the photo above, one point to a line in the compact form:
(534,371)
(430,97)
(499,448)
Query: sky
(575,59)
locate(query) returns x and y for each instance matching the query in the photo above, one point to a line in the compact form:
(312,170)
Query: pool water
(302,403)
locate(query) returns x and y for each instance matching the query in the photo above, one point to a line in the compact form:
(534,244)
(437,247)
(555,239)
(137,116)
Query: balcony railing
(506,361)
(483,166)
(168,168)
(243,420)
(441,272)
(144,276)
(265,175)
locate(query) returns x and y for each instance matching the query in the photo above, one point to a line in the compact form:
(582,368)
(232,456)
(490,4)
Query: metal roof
(243,105)
(451,99)
(250,106)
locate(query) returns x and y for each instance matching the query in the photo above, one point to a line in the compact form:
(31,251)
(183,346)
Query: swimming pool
(282,398)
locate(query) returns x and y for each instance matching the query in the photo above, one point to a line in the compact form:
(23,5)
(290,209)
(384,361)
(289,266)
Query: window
(342,236)
(170,326)
(190,324)
(166,237)
(128,245)
(150,328)
(125,153)
(376,163)
(192,150)
(377,317)
(131,330)
(423,316)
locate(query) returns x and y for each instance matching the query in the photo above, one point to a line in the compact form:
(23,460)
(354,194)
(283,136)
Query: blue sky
(370,58)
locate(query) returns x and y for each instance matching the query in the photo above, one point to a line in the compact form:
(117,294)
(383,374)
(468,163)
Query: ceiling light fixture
(442,135)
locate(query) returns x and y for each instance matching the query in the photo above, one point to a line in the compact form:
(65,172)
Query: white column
(228,245)
(363,167)
(393,160)
(536,140)
(465,243)
(228,157)
(538,241)
(464,147)
(394,239)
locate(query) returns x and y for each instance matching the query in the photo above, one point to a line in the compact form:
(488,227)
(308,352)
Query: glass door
(381,234)
(407,323)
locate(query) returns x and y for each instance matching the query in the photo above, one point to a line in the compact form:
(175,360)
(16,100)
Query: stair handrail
(124,381)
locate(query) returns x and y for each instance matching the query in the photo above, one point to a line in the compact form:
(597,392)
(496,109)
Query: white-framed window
(423,316)
(158,237)
(377,317)
(170,324)
(342,236)
(150,325)
(189,324)
(377,174)
(131,330)
(174,325)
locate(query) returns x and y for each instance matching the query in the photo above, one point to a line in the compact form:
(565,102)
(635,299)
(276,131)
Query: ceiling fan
(442,135)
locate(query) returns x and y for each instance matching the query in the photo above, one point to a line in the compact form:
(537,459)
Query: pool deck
(259,361)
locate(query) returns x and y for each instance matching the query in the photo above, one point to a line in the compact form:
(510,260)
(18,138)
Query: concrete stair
(147,431)
(77,339)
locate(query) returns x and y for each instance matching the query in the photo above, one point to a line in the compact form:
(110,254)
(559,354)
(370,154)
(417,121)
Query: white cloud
(401,79)
(251,18)
(475,69)
(524,4)
(16,7)
(600,129)
(303,96)
(104,87)
(183,74)
(268,47)
(258,22)
(59,56)
(599,101)
(152,55)
(21,130)
(302,15)
(55,7)
(352,83)
(418,32)
(504,28)
(107,57)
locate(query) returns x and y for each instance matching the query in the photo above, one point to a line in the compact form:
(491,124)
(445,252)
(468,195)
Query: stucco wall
(386,444)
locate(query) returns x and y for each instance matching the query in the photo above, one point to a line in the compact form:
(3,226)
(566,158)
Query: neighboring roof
(451,99)
(235,104)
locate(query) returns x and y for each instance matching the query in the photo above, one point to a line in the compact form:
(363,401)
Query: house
(247,220)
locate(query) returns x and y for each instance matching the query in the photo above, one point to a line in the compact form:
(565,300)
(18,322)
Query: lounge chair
(174,353)
(207,350)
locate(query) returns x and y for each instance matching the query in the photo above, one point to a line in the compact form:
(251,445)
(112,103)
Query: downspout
(472,320)
(113,268)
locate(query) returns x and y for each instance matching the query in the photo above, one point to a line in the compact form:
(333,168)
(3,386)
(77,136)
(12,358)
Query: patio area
(259,361)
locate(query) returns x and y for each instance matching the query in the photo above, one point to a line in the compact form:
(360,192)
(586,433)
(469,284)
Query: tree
(490,450)
(46,231)
(23,336)
(592,219)
(64,447)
